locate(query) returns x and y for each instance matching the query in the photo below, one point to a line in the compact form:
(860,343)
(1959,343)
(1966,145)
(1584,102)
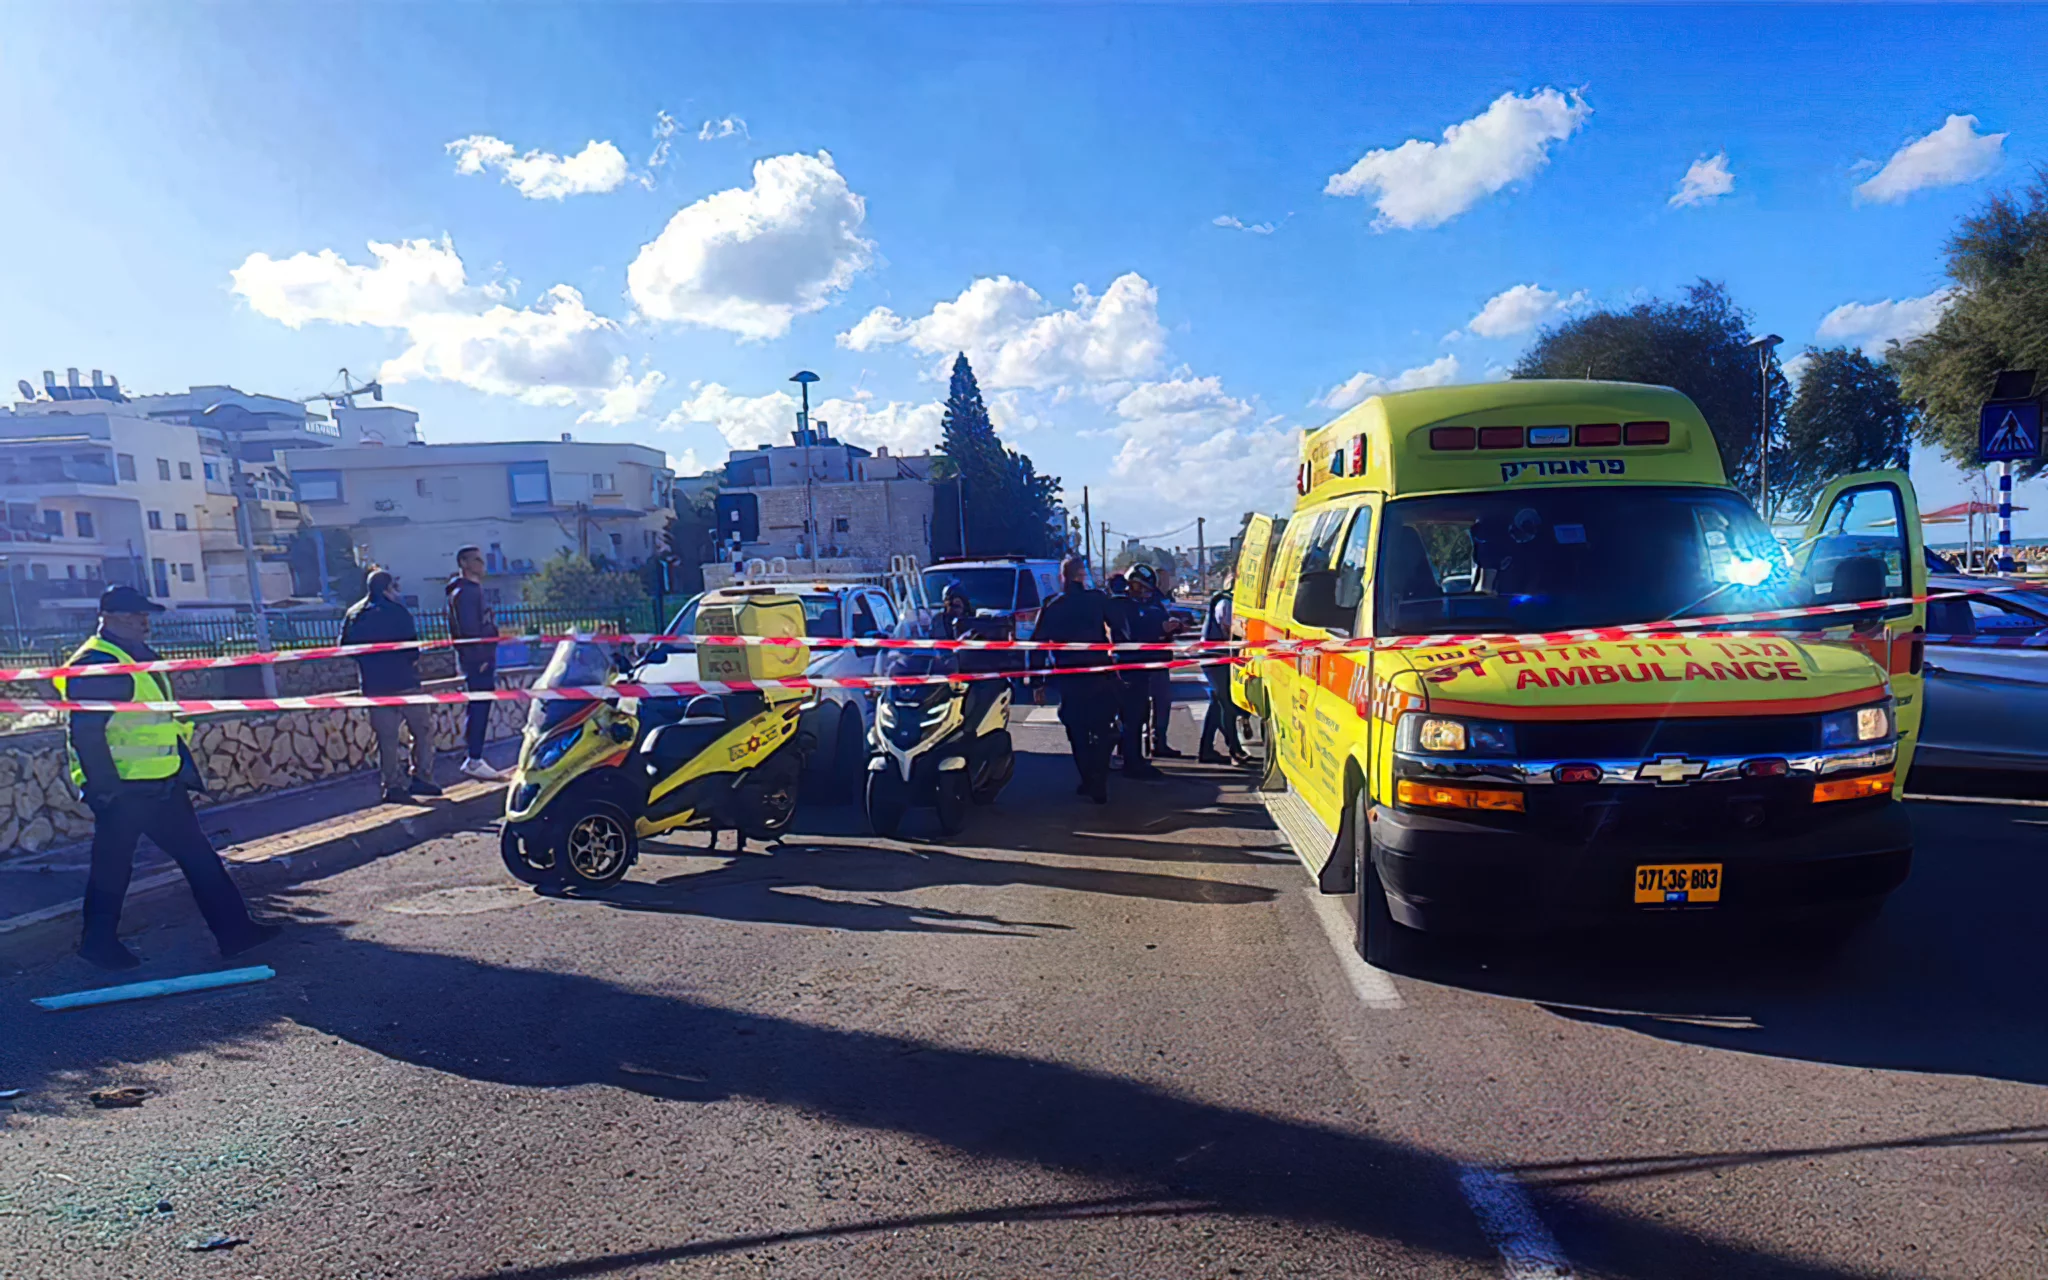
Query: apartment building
(408,508)
(848,507)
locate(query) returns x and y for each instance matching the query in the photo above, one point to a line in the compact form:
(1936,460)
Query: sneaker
(259,933)
(108,953)
(481,771)
(397,795)
(423,787)
(1164,752)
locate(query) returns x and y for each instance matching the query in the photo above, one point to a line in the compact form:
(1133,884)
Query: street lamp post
(14,598)
(804,378)
(1764,346)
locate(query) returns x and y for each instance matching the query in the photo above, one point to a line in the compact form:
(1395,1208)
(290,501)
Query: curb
(311,852)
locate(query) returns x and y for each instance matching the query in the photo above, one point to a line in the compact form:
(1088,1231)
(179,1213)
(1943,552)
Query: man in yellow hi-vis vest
(133,770)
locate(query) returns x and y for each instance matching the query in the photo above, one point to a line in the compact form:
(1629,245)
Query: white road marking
(1375,990)
(1042,715)
(1527,1249)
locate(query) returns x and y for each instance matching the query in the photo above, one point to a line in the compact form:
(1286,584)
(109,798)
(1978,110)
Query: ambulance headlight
(1860,724)
(1422,734)
(549,753)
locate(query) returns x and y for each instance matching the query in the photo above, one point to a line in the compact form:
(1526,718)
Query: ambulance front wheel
(1384,942)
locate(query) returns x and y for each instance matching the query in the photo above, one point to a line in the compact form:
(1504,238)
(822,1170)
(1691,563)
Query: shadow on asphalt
(1946,980)
(1170,1154)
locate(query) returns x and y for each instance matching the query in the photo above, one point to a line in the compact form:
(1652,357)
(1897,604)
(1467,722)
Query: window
(53,523)
(84,519)
(160,575)
(126,463)
(163,468)
(864,623)
(885,614)
(212,470)
(39,571)
(178,522)
(318,486)
(618,542)
(419,486)
(1027,590)
(529,484)
(1859,551)
(156,520)
(840,524)
(185,573)
(1351,563)
(601,482)
(92,573)
(71,571)
(184,471)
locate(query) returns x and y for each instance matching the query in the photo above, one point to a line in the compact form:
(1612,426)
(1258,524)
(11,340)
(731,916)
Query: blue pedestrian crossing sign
(2009,431)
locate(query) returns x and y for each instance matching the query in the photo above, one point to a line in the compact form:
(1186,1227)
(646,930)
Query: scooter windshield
(575,664)
(913,662)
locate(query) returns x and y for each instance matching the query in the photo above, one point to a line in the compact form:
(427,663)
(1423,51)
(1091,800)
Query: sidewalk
(266,840)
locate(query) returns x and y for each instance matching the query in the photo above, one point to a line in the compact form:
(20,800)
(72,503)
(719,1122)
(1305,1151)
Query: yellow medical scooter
(596,777)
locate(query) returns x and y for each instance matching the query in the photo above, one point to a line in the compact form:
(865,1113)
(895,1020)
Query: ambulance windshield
(1555,559)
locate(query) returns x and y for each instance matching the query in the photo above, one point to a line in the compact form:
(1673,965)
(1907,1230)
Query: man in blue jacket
(380,616)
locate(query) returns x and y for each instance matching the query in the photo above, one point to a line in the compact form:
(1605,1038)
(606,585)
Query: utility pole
(14,598)
(1105,554)
(1087,534)
(1201,559)
(1764,346)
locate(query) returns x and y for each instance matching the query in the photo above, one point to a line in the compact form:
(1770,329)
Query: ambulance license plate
(1678,884)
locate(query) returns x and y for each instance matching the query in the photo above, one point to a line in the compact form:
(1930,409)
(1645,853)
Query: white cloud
(748,422)
(1876,325)
(556,352)
(542,175)
(1794,369)
(1362,386)
(1187,447)
(686,463)
(1425,184)
(664,133)
(751,259)
(1708,179)
(1952,154)
(1520,309)
(729,127)
(1015,339)
(628,400)
(1256,228)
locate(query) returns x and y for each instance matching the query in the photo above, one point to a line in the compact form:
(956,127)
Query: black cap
(123,599)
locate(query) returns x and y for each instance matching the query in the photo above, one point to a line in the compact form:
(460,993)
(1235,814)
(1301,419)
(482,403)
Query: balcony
(32,473)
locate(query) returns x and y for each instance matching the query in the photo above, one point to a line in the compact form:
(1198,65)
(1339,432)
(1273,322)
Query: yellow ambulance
(1491,786)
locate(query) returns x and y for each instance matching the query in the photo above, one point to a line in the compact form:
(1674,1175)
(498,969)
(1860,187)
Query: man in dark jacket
(381,617)
(1223,714)
(135,772)
(1144,618)
(469,619)
(1079,614)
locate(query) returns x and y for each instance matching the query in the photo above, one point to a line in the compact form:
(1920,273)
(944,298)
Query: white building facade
(409,508)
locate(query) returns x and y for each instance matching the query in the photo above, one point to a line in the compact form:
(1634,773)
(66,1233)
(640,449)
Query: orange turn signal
(1871,784)
(1436,795)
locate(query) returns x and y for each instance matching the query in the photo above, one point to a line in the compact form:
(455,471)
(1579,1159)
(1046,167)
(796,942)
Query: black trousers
(1135,715)
(1087,707)
(478,724)
(1222,713)
(163,812)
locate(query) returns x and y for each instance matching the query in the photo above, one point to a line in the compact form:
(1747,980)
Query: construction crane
(349,391)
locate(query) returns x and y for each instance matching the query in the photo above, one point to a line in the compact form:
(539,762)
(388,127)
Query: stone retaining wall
(240,756)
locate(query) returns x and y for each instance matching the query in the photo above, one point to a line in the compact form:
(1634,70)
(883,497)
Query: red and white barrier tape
(589,693)
(1219,648)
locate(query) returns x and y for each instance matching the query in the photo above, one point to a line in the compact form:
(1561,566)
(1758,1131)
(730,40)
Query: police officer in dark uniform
(1142,613)
(135,772)
(1080,614)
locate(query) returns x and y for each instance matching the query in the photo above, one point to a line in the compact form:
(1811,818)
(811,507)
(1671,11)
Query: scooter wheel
(527,857)
(885,804)
(598,846)
(952,801)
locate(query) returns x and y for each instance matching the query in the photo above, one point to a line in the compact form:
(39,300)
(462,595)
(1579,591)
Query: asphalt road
(1075,1042)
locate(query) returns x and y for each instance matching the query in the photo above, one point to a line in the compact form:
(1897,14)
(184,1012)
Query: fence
(222,635)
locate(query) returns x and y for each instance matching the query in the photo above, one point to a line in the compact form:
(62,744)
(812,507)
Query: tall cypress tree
(1009,505)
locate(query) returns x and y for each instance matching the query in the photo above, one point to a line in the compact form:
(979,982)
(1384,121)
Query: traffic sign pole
(2005,517)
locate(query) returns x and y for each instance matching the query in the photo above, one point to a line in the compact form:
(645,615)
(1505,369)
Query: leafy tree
(571,583)
(1997,318)
(1697,345)
(1847,416)
(1010,508)
(688,543)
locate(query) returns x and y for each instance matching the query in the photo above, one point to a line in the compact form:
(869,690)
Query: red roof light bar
(1453,438)
(1599,434)
(1646,433)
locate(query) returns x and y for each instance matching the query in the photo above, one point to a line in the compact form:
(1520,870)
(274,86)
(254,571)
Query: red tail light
(1647,433)
(1599,434)
(1500,437)
(1357,467)
(1452,437)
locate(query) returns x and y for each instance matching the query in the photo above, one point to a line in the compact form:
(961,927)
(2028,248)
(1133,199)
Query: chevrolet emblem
(1671,769)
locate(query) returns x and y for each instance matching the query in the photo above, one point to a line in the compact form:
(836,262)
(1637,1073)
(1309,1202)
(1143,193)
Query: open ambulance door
(1247,609)
(1860,518)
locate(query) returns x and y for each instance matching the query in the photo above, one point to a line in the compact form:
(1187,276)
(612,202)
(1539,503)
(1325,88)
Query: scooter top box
(779,617)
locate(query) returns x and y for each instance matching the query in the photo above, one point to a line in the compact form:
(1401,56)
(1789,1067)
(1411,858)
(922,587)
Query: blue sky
(193,194)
